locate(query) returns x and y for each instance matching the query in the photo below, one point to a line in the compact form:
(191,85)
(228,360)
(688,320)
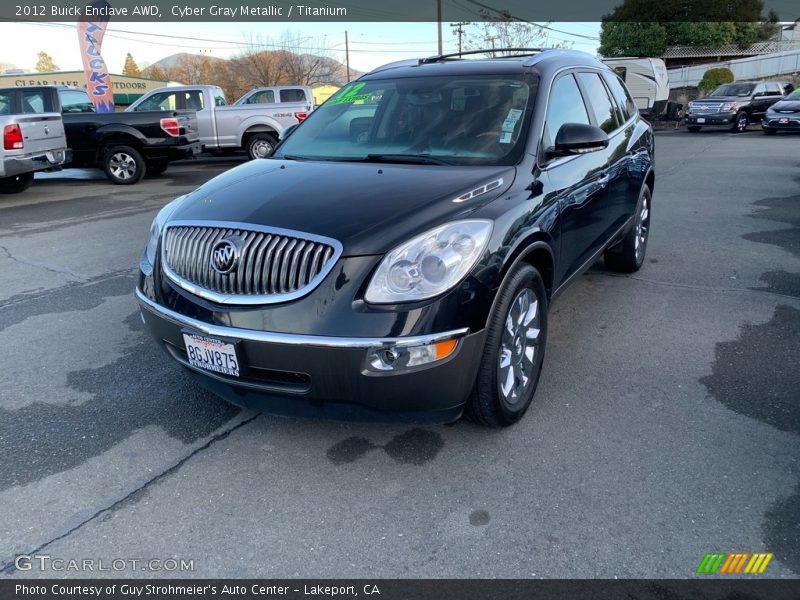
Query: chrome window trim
(249,300)
(291,339)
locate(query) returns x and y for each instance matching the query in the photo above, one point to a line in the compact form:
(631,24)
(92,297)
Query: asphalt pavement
(665,426)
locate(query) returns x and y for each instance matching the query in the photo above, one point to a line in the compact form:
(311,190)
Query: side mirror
(288,131)
(579,138)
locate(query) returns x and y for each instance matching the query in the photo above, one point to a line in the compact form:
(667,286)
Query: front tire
(261,145)
(123,165)
(513,352)
(628,255)
(741,122)
(16,184)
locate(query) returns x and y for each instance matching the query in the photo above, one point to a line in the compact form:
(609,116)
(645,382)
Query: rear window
(262,97)
(36,102)
(293,95)
(75,102)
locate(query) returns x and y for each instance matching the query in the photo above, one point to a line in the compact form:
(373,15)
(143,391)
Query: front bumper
(710,119)
(324,376)
(774,122)
(29,163)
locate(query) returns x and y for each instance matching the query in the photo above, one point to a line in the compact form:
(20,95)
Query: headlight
(728,106)
(155,232)
(429,264)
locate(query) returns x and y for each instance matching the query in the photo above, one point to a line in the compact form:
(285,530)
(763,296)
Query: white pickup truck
(33,137)
(255,128)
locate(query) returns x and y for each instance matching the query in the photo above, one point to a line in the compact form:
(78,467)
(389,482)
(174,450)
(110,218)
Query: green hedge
(714,78)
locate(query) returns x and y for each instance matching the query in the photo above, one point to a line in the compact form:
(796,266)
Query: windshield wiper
(411,159)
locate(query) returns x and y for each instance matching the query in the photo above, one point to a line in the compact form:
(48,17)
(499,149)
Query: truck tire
(16,184)
(741,122)
(157,167)
(123,165)
(261,145)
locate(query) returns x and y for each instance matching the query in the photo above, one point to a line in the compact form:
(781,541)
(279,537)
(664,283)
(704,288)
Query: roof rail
(408,62)
(518,52)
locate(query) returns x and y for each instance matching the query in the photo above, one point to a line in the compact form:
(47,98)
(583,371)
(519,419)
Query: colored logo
(732,563)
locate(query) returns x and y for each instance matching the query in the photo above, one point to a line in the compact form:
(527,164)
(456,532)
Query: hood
(716,99)
(368,207)
(787,105)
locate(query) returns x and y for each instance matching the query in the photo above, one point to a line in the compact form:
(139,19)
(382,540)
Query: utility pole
(347,54)
(439,23)
(458,29)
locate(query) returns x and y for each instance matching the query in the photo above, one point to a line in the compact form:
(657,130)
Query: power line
(507,14)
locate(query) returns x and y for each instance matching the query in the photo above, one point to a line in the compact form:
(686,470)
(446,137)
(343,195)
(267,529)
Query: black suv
(734,105)
(398,255)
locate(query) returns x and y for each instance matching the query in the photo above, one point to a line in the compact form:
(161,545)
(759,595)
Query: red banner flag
(98,81)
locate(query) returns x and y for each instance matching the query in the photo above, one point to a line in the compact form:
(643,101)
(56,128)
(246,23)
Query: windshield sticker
(349,95)
(511,119)
(505,137)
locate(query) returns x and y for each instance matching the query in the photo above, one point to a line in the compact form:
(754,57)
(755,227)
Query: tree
(713,78)
(131,69)
(499,30)
(45,63)
(647,27)
(6,66)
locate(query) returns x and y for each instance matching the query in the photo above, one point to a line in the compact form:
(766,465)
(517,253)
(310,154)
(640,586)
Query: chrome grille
(707,107)
(274,265)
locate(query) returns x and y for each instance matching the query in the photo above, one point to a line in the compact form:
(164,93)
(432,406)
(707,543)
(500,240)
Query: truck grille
(268,265)
(706,107)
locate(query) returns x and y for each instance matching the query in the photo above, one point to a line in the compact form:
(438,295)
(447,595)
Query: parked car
(255,128)
(279,94)
(784,115)
(733,105)
(398,255)
(33,137)
(125,146)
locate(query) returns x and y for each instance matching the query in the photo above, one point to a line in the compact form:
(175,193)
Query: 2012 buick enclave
(397,256)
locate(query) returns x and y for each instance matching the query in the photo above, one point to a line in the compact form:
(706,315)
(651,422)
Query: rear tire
(693,128)
(628,255)
(16,184)
(156,168)
(123,165)
(513,351)
(261,145)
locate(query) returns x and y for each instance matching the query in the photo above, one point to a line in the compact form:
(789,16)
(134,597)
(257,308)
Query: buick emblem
(225,255)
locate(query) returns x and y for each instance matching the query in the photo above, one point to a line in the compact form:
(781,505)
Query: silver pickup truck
(255,128)
(33,137)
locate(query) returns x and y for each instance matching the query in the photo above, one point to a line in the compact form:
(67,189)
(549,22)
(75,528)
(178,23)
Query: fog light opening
(399,357)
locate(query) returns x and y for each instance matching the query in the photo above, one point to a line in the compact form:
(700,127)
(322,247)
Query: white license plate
(783,120)
(701,120)
(211,355)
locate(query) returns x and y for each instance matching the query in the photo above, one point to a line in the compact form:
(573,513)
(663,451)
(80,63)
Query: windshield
(734,89)
(479,120)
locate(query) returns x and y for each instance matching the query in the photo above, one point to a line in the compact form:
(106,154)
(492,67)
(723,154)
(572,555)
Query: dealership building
(126,89)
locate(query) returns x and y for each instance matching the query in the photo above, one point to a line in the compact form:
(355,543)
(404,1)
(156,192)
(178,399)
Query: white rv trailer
(646,79)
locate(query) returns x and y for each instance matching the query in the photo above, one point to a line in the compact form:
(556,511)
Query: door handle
(604,179)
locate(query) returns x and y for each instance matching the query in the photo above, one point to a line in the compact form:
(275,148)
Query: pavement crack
(58,270)
(8,566)
(698,288)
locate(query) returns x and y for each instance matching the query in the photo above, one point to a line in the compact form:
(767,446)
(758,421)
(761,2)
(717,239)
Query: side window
(621,95)
(194,100)
(219,98)
(160,101)
(565,106)
(293,95)
(600,104)
(75,102)
(774,89)
(5,103)
(760,90)
(35,102)
(262,97)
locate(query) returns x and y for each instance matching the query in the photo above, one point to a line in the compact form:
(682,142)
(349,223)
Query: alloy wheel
(122,165)
(642,229)
(519,347)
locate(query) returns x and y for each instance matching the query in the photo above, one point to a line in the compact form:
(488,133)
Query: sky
(371,44)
